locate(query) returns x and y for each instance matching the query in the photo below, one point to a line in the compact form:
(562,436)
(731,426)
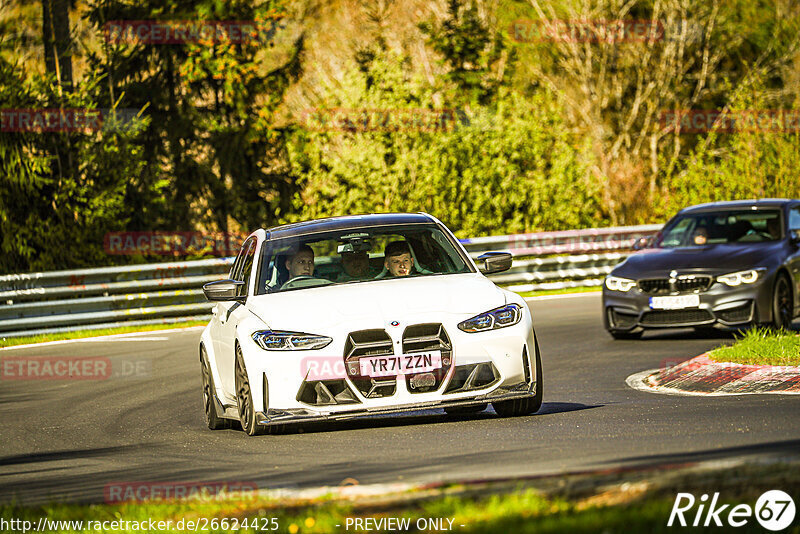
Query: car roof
(741,204)
(346,222)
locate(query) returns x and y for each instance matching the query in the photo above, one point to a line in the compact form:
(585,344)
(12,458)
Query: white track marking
(137,336)
(565,295)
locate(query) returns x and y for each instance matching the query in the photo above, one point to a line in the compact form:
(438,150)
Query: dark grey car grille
(676,317)
(685,284)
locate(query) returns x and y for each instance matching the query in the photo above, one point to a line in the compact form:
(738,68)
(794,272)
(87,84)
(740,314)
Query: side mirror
(643,242)
(224,290)
(794,236)
(494,262)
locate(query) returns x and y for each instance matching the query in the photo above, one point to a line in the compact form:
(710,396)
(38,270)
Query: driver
(700,236)
(774,228)
(301,263)
(397,258)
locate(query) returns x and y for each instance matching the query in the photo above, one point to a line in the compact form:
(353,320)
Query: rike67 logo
(774,510)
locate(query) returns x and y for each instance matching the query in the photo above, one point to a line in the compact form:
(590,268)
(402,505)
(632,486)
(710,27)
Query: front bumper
(284,390)
(719,305)
(305,415)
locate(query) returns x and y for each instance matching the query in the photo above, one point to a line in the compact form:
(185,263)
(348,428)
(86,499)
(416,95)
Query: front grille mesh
(473,376)
(428,337)
(736,315)
(683,284)
(622,320)
(676,317)
(369,343)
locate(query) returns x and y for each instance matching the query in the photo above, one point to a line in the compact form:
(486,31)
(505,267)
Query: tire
(626,335)
(213,420)
(527,405)
(465,410)
(244,398)
(782,304)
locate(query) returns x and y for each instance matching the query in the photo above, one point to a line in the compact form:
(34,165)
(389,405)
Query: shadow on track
(782,448)
(55,456)
(427,417)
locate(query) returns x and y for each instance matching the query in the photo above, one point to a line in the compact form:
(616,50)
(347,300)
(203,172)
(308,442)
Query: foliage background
(542,135)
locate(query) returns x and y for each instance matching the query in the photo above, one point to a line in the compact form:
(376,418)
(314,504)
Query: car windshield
(357,256)
(721,227)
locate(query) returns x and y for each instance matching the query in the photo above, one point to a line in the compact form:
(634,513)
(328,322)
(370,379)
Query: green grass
(760,346)
(522,511)
(629,502)
(564,291)
(26,340)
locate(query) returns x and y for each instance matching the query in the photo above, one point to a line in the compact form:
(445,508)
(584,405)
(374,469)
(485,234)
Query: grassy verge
(564,291)
(604,502)
(760,346)
(26,340)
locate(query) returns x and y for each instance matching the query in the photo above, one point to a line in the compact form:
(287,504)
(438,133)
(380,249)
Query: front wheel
(244,398)
(782,306)
(213,421)
(527,405)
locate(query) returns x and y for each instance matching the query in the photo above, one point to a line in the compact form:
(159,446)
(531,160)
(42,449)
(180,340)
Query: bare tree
(616,80)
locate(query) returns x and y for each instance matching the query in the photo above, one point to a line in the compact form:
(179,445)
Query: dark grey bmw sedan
(724,264)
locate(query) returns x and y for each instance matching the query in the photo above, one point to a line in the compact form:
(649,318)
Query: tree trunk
(57,41)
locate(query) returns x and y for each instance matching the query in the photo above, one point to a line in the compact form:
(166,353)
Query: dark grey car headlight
(616,283)
(281,340)
(750,276)
(501,317)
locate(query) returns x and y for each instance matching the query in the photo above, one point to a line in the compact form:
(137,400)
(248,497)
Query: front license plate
(419,362)
(674,303)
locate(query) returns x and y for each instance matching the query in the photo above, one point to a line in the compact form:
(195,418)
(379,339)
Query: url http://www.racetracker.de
(195,524)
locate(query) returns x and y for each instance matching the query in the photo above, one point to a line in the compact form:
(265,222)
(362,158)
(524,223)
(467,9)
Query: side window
(247,264)
(794,218)
(236,269)
(244,263)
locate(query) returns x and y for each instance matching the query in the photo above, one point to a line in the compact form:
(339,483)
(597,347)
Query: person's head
(700,235)
(397,258)
(355,263)
(774,227)
(301,263)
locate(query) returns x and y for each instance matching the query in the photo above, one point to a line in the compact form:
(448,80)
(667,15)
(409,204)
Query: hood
(717,259)
(374,304)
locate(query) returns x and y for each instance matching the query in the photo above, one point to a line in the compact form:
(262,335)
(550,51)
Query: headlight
(501,317)
(277,340)
(615,283)
(749,276)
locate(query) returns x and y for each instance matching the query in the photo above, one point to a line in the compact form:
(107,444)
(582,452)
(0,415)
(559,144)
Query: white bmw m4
(348,317)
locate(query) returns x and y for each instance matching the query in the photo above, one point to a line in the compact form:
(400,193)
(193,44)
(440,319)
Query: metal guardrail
(133,295)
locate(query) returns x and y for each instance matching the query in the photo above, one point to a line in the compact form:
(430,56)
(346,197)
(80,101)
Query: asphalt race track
(66,440)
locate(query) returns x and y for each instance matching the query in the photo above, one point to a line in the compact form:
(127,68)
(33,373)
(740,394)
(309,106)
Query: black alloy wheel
(244,397)
(782,306)
(213,421)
